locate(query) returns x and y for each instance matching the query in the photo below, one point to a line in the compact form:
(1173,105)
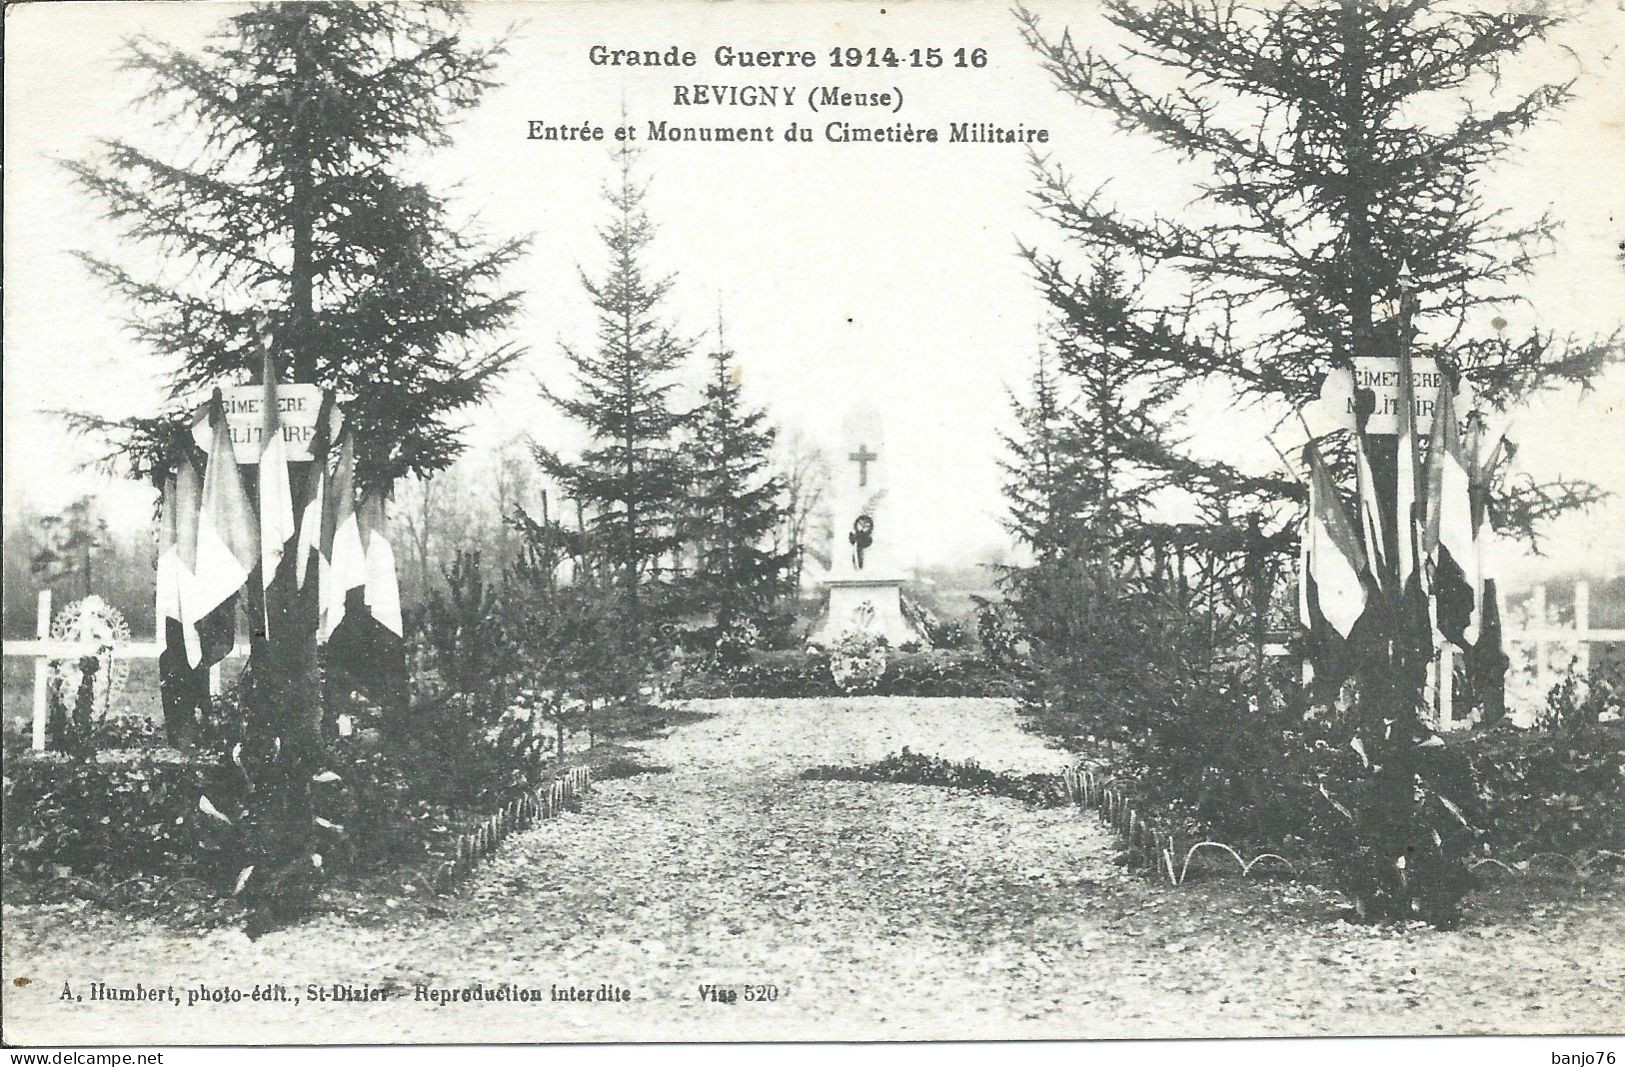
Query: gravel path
(865,910)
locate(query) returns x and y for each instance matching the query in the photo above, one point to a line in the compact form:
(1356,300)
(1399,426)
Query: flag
(1408,471)
(1334,589)
(183,689)
(383,594)
(343,558)
(167,583)
(1371,517)
(188,502)
(1486,659)
(311,517)
(276,495)
(226,548)
(1411,614)
(1486,543)
(365,649)
(1450,521)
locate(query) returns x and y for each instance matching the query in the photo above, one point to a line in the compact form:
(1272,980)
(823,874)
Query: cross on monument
(862,457)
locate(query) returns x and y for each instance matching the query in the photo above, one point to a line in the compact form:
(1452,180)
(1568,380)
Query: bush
(735,643)
(1549,790)
(807,673)
(113,820)
(950,635)
(108,821)
(1170,693)
(995,632)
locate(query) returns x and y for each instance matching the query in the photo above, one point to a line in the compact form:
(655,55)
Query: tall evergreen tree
(1038,471)
(632,478)
(1123,418)
(1335,160)
(738,501)
(1327,182)
(297,206)
(69,544)
(286,201)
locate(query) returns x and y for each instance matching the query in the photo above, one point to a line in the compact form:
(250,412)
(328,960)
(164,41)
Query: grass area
(138,697)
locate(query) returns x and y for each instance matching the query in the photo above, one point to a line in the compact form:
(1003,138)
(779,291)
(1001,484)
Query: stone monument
(865,580)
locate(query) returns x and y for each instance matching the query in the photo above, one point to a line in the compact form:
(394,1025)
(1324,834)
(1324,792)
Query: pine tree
(1334,163)
(1324,189)
(737,503)
(291,206)
(298,207)
(296,212)
(632,478)
(1038,473)
(69,543)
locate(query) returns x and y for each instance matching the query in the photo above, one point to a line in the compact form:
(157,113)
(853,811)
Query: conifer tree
(1334,159)
(632,478)
(1121,420)
(1038,471)
(1326,184)
(738,501)
(283,207)
(296,213)
(297,207)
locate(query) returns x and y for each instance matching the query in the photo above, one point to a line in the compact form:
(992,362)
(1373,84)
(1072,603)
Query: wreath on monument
(861,537)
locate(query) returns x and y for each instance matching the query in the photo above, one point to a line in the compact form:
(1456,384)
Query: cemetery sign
(1380,374)
(299,405)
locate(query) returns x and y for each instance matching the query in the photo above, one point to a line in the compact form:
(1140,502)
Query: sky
(884,276)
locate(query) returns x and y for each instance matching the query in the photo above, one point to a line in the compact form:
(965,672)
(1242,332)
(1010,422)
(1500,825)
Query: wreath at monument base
(858,661)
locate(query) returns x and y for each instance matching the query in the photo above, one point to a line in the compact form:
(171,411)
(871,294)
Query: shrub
(995,632)
(74,718)
(930,673)
(108,821)
(1171,693)
(122,732)
(144,816)
(950,635)
(1549,790)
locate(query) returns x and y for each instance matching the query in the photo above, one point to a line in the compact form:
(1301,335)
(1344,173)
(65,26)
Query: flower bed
(108,820)
(1532,792)
(933,673)
(135,815)
(912,768)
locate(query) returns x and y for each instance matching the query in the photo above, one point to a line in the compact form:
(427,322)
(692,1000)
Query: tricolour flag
(343,557)
(1486,659)
(1333,587)
(167,583)
(1408,566)
(183,688)
(1370,507)
(276,495)
(226,549)
(383,593)
(310,542)
(1450,521)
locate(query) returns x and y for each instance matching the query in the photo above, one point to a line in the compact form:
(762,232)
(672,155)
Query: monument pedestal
(872,603)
